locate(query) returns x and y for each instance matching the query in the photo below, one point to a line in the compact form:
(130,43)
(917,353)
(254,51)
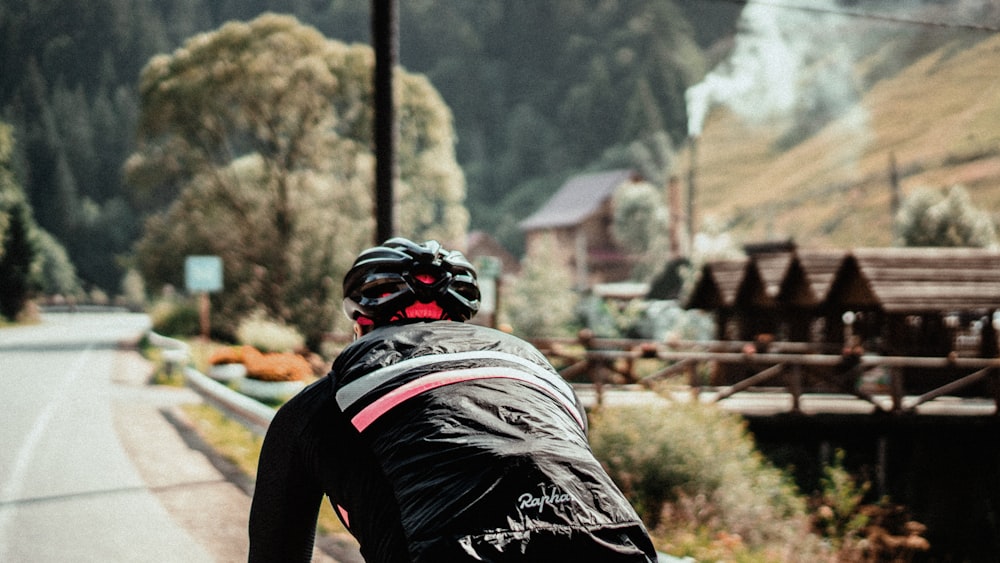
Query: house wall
(604,260)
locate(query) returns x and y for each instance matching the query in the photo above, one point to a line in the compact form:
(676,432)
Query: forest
(538,90)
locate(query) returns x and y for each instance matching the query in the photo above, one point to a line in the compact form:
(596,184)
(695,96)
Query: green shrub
(692,471)
(839,514)
(881,531)
(133,290)
(175,318)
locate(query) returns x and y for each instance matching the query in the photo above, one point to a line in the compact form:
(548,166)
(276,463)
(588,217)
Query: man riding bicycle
(437,440)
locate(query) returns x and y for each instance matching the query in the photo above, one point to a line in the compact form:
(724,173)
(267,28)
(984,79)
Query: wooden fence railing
(725,368)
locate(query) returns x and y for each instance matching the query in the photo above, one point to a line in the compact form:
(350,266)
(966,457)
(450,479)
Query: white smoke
(779,53)
(795,60)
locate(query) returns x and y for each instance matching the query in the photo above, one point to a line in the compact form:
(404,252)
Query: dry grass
(230,439)
(939,118)
(241,447)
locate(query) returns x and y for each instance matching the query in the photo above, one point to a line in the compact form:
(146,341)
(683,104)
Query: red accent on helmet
(420,310)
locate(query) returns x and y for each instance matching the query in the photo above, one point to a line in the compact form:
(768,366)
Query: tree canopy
(539,90)
(30,258)
(641,225)
(260,135)
(541,301)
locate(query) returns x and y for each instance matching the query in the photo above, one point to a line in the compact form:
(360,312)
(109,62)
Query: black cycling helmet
(386,280)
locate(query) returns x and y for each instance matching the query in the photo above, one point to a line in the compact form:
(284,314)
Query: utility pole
(385,30)
(894,191)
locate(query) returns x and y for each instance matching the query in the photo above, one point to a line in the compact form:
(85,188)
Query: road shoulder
(202,491)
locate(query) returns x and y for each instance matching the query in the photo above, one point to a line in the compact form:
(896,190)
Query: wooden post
(586,339)
(693,381)
(204,311)
(881,471)
(994,382)
(795,387)
(896,383)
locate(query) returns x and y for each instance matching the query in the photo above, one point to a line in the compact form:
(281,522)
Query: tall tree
(30,258)
(541,301)
(588,74)
(15,264)
(641,225)
(516,74)
(17,252)
(260,134)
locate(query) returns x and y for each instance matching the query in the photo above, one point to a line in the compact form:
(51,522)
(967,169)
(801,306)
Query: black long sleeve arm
(286,499)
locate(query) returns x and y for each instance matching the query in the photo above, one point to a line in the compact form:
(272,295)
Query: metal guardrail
(253,414)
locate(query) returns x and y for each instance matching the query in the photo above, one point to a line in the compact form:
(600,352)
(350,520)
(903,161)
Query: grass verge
(240,446)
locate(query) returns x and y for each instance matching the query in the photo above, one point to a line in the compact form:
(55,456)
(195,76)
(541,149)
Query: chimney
(693,147)
(676,215)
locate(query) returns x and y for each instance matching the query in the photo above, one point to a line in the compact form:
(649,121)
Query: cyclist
(437,440)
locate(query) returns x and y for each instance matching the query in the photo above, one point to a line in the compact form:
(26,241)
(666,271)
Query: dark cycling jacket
(441,442)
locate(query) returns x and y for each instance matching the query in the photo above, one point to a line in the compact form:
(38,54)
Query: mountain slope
(939,119)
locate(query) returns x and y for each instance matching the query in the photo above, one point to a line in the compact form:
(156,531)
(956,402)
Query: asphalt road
(95,464)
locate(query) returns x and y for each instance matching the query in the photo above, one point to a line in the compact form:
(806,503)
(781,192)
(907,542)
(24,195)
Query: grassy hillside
(939,118)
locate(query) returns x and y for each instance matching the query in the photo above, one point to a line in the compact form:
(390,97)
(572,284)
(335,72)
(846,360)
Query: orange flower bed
(227,355)
(264,367)
(276,366)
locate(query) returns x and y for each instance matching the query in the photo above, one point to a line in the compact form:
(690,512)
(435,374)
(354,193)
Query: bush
(133,290)
(174,318)
(863,532)
(696,478)
(268,335)
(644,318)
(936,218)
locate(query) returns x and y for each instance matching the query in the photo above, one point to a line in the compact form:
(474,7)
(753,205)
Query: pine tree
(15,264)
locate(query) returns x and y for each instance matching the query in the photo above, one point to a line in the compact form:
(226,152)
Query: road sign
(203,274)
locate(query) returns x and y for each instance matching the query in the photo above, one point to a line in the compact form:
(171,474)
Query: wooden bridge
(870,330)
(784,377)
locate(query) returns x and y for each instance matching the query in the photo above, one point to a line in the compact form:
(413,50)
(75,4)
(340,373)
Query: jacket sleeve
(287,496)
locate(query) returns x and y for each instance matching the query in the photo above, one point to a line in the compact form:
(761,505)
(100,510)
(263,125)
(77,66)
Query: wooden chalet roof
(773,270)
(895,280)
(817,269)
(718,284)
(579,198)
(915,280)
(821,266)
(756,280)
